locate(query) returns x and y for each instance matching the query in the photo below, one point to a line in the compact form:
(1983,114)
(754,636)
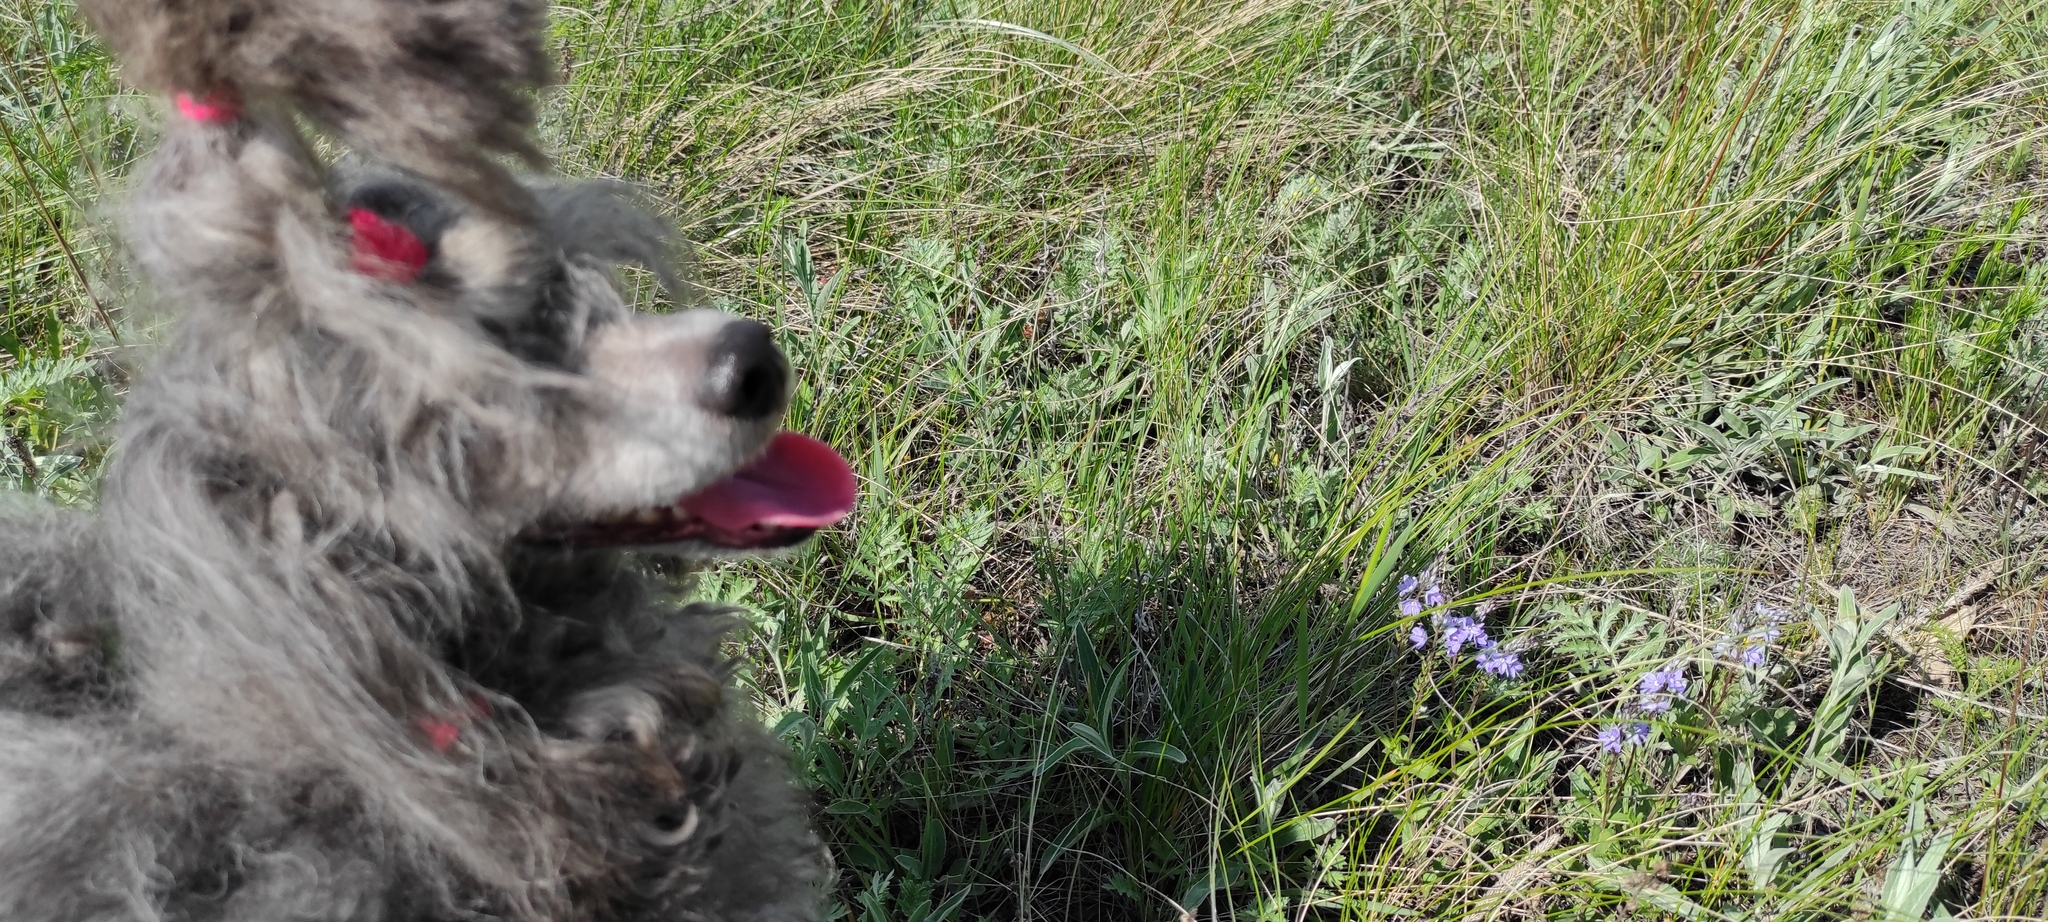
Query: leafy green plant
(1166,338)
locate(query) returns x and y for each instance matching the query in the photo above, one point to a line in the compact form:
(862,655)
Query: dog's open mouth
(797,486)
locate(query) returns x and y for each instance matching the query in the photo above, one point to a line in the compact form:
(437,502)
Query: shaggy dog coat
(433,86)
(346,639)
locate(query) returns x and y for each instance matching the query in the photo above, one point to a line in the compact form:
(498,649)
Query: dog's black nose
(745,377)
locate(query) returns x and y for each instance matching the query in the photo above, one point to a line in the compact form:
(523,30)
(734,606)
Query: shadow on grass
(1132,736)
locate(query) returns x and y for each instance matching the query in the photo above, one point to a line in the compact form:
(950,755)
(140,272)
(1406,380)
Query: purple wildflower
(1749,641)
(1433,596)
(1459,631)
(1417,637)
(1660,687)
(1665,680)
(1410,608)
(1408,584)
(1615,739)
(1500,662)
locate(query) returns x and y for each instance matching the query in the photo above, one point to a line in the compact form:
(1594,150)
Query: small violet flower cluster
(1747,642)
(1749,639)
(1458,631)
(1614,739)
(1658,690)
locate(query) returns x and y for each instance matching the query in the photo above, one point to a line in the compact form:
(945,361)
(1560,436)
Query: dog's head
(676,427)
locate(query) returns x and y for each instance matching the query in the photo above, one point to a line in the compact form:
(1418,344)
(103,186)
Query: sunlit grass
(1168,338)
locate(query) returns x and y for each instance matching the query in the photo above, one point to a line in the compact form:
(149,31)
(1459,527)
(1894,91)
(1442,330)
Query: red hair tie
(384,249)
(441,734)
(216,108)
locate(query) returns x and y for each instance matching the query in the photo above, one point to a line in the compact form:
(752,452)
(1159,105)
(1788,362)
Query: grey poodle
(365,627)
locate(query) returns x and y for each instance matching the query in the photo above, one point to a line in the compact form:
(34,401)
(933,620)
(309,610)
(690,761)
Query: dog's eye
(548,327)
(517,287)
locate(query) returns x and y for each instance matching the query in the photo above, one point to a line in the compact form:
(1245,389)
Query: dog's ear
(203,223)
(437,87)
(610,222)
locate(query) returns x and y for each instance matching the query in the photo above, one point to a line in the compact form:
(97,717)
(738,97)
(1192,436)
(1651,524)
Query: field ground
(1683,341)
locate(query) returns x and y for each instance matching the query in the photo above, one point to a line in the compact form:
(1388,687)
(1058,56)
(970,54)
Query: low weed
(1689,357)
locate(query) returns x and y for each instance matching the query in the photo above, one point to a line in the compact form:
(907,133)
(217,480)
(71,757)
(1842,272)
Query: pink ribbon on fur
(216,108)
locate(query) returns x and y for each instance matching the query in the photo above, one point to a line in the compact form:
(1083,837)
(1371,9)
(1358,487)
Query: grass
(1168,338)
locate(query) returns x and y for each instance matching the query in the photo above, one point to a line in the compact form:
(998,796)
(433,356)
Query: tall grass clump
(61,144)
(1332,459)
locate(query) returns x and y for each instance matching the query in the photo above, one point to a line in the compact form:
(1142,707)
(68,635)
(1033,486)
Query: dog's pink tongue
(799,482)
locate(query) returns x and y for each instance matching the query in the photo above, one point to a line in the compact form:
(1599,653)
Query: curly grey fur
(435,86)
(215,694)
(56,638)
